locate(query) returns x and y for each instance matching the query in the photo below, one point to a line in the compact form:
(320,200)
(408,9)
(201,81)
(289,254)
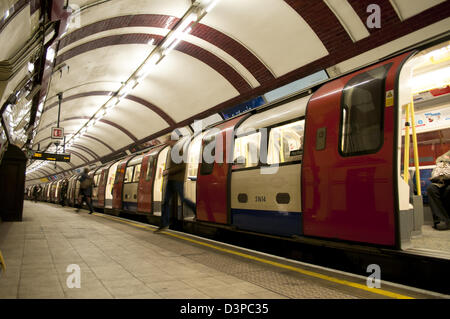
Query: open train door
(145,187)
(118,184)
(350,159)
(102,185)
(214,173)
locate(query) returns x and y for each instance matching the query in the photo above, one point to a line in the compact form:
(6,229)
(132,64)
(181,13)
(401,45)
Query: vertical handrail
(416,150)
(406,154)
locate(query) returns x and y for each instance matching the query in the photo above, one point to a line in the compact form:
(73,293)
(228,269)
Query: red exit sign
(57,133)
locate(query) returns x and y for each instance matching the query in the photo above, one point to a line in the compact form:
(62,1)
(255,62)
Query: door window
(137,173)
(247,150)
(129,174)
(286,143)
(362,113)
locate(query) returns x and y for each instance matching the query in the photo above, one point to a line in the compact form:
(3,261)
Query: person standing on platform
(439,192)
(36,192)
(174,173)
(85,191)
(64,187)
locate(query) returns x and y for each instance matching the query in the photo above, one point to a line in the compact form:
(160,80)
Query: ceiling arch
(232,76)
(234,53)
(136,99)
(202,31)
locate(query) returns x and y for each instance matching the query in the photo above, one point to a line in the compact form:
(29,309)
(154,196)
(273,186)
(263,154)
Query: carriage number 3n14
(251,308)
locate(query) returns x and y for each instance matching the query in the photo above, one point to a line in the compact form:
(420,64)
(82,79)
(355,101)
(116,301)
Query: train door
(118,184)
(265,192)
(102,186)
(158,184)
(349,161)
(110,185)
(214,173)
(57,191)
(193,160)
(97,173)
(145,187)
(131,182)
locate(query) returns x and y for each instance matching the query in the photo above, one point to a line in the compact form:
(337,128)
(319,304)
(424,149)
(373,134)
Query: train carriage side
(95,175)
(349,166)
(117,191)
(71,190)
(158,184)
(212,191)
(58,191)
(102,183)
(266,171)
(147,180)
(111,178)
(130,184)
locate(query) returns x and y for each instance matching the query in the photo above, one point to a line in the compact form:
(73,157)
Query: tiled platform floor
(118,260)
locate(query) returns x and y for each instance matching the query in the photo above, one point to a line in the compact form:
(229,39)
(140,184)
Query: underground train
(324,164)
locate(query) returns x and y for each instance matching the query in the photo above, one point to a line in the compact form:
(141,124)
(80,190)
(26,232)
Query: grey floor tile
(165,286)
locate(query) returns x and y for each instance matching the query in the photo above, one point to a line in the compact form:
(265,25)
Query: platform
(125,259)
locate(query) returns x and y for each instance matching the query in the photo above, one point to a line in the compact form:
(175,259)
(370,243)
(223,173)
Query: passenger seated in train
(439,193)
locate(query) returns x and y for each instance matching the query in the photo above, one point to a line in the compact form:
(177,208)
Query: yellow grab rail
(416,149)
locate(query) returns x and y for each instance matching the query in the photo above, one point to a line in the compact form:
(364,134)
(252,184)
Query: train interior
(424,84)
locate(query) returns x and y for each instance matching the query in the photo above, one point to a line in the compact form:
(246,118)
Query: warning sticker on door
(389,98)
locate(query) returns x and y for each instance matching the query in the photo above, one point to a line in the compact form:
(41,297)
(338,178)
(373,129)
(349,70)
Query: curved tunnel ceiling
(237,51)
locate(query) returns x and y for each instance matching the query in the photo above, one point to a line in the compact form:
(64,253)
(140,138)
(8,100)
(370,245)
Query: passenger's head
(86,170)
(444,158)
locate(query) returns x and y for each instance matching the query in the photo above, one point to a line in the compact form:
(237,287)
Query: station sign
(57,133)
(51,157)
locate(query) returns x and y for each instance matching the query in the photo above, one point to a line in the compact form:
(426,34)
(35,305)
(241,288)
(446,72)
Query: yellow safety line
(276,264)
(2,262)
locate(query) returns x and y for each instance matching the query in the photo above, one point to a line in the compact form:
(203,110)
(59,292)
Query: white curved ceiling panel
(198,87)
(115,62)
(118,8)
(271,29)
(137,118)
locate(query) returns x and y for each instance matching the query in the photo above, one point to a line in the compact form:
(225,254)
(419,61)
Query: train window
(129,175)
(286,143)
(246,151)
(361,130)
(208,153)
(150,165)
(137,173)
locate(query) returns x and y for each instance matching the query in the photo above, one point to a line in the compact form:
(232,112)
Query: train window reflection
(286,143)
(247,150)
(362,115)
(128,174)
(137,173)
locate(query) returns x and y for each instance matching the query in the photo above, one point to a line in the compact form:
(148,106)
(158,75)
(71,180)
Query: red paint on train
(212,188)
(349,197)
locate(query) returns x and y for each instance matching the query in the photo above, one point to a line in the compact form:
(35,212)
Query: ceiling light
(146,68)
(30,67)
(177,41)
(211,5)
(50,54)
